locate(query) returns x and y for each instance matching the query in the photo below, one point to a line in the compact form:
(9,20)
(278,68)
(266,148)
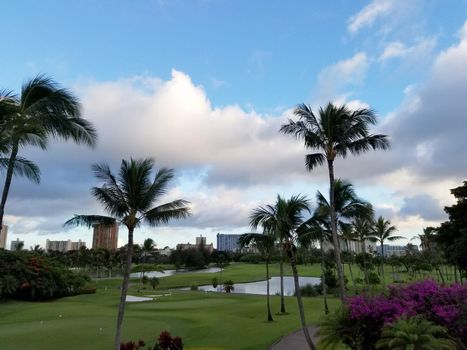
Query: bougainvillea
(442,305)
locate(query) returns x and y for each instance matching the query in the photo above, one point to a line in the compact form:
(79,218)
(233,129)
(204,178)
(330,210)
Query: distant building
(165,252)
(398,250)
(228,242)
(63,246)
(16,245)
(3,236)
(200,242)
(105,237)
(78,245)
(353,246)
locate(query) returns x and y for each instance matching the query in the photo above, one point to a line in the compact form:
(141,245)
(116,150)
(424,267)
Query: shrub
(167,342)
(229,286)
(154,282)
(309,291)
(366,316)
(214,282)
(193,287)
(414,333)
(251,258)
(373,278)
(132,345)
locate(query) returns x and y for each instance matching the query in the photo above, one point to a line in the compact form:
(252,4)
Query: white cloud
(370,13)
(418,51)
(335,81)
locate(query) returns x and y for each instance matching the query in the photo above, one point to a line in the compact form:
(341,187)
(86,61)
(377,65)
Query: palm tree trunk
(267,291)
(382,265)
(365,268)
(349,250)
(126,277)
(301,309)
(8,178)
(335,239)
(323,281)
(281,268)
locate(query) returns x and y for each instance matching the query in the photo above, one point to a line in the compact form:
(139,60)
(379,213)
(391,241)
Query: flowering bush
(443,305)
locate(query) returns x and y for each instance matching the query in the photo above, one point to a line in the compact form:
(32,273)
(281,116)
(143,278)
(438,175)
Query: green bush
(28,275)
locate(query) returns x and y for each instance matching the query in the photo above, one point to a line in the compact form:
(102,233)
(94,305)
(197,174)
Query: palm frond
(164,213)
(24,168)
(90,220)
(313,160)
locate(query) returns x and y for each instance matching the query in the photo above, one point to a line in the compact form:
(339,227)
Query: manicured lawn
(202,319)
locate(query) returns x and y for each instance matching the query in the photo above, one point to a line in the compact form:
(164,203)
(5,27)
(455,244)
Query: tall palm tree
(335,132)
(383,231)
(274,226)
(130,198)
(427,242)
(285,217)
(347,207)
(146,249)
(362,228)
(43,111)
(266,245)
(317,229)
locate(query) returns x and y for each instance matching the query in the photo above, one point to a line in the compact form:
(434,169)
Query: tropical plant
(335,132)
(348,206)
(43,111)
(130,199)
(383,231)
(266,245)
(284,218)
(362,228)
(228,286)
(414,333)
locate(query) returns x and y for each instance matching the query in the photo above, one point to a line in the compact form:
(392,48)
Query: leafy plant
(414,333)
(228,286)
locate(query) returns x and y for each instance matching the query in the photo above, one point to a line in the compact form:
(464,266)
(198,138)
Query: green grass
(207,320)
(203,320)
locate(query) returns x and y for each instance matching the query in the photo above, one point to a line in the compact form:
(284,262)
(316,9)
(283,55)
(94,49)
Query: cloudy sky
(203,86)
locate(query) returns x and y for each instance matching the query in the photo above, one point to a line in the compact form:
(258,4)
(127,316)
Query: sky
(203,86)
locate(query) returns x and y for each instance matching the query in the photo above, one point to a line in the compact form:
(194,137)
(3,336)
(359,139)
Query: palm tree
(415,333)
(347,207)
(316,229)
(146,249)
(43,111)
(284,218)
(265,243)
(362,231)
(130,199)
(382,230)
(427,243)
(334,133)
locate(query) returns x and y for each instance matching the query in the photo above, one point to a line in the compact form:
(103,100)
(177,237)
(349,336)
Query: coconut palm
(427,242)
(284,218)
(130,198)
(347,207)
(317,229)
(415,333)
(146,249)
(43,111)
(382,230)
(362,228)
(266,245)
(335,132)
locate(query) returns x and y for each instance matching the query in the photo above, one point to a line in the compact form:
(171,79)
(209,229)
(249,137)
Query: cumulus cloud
(336,81)
(418,51)
(370,13)
(422,205)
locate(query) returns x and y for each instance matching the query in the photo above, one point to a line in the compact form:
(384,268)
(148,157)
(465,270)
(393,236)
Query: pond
(260,287)
(167,273)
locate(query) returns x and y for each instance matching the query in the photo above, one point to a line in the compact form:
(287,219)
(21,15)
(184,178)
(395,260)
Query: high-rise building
(63,246)
(228,243)
(105,237)
(201,240)
(3,234)
(16,245)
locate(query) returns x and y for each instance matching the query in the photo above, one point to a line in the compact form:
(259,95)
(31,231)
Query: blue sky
(240,66)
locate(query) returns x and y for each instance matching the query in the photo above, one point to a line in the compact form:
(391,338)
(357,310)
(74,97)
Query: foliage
(132,345)
(414,333)
(167,342)
(154,282)
(309,290)
(251,258)
(215,283)
(194,287)
(29,276)
(228,286)
(444,306)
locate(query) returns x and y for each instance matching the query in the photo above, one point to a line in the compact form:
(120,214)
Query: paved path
(295,340)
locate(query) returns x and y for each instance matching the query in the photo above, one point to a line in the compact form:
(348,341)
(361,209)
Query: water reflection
(260,287)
